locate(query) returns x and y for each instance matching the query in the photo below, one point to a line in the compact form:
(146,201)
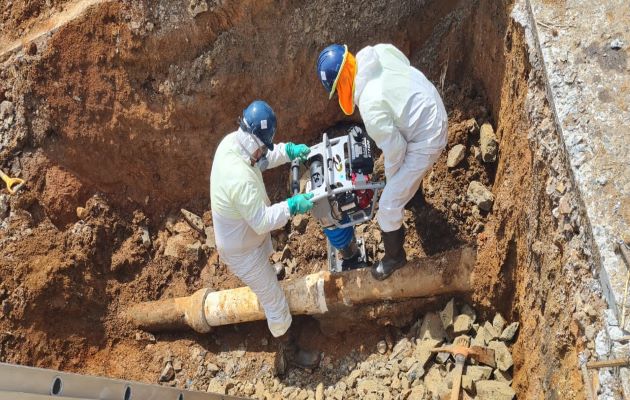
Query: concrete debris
(193,220)
(488,143)
(502,355)
(432,328)
(381,347)
(462,324)
(480,195)
(299,223)
(447,314)
(455,155)
(168,373)
(509,332)
(498,322)
(493,390)
(478,372)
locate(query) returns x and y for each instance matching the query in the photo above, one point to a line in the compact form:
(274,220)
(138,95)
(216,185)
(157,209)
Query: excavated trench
(119,112)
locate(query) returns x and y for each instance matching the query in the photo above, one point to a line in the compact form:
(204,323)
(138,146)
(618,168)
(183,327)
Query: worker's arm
(250,203)
(380,127)
(278,156)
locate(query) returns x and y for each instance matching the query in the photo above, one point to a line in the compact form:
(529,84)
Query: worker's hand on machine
(297,151)
(300,203)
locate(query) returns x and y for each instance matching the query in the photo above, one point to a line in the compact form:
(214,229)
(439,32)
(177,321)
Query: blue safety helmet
(329,64)
(259,120)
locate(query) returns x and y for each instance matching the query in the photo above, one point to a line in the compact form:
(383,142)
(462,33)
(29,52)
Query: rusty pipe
(447,273)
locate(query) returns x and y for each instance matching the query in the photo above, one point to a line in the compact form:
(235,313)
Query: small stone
(502,355)
(498,322)
(381,347)
(212,367)
(406,363)
(447,314)
(432,328)
(455,155)
(494,390)
(81,212)
(509,332)
(476,151)
(286,253)
(299,223)
(366,386)
(196,7)
(415,372)
(417,392)
(564,205)
(146,238)
(488,143)
(616,44)
(264,342)
(466,309)
(467,383)
(462,324)
(480,195)
(6,110)
(319,391)
(352,378)
(177,365)
(210,240)
(472,127)
(502,376)
(193,220)
(168,373)
(478,372)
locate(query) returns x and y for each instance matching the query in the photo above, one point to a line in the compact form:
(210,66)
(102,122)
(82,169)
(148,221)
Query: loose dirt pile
(114,118)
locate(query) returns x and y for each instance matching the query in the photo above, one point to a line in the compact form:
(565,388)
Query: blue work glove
(297,151)
(300,203)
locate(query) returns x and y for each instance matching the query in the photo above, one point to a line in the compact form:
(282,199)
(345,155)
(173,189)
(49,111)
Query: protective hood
(248,144)
(372,61)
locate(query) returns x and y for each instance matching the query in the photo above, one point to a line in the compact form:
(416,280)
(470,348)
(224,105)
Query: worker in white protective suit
(243,217)
(404,115)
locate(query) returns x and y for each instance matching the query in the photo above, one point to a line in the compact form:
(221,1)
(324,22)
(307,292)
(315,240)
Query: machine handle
(295,176)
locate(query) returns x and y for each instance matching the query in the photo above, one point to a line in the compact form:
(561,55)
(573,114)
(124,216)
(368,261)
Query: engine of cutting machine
(340,179)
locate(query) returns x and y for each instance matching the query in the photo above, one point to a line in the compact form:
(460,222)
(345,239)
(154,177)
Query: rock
(447,314)
(415,372)
(476,151)
(498,322)
(502,376)
(177,365)
(491,331)
(488,143)
(366,386)
(478,372)
(467,383)
(432,328)
(616,44)
(434,382)
(81,212)
(193,220)
(352,378)
(146,238)
(466,309)
(319,391)
(455,155)
(509,332)
(401,349)
(168,373)
(196,7)
(502,355)
(480,195)
(472,127)
(406,364)
(212,367)
(417,393)
(210,241)
(286,253)
(442,357)
(381,347)
(422,352)
(219,386)
(299,223)
(177,246)
(6,110)
(462,324)
(493,390)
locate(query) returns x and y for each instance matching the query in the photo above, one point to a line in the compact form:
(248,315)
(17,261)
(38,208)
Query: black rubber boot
(351,255)
(394,257)
(290,354)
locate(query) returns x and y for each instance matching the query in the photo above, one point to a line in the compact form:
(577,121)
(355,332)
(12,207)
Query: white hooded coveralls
(404,115)
(242,218)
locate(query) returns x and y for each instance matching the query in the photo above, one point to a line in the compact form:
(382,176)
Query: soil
(118,113)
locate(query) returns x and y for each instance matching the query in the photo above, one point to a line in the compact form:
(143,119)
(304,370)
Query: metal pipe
(447,273)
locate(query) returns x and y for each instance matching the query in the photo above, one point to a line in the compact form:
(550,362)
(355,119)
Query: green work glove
(300,203)
(297,151)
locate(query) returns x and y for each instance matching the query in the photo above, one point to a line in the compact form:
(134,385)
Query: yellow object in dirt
(13,184)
